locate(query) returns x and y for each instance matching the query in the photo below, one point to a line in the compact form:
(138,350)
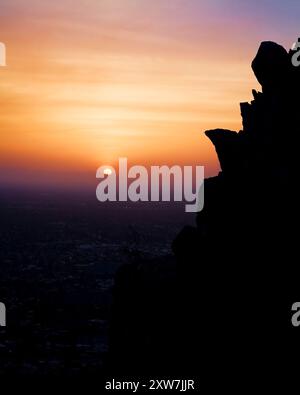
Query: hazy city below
(58,256)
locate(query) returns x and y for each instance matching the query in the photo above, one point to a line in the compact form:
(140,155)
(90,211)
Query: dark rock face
(271,66)
(228,149)
(222,305)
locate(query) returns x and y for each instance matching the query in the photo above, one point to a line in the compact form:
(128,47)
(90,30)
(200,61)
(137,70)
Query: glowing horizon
(87,83)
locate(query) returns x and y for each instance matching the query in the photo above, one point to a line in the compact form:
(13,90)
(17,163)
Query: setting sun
(111,79)
(107,171)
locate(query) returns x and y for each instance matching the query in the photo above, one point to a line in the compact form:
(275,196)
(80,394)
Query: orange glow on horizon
(84,86)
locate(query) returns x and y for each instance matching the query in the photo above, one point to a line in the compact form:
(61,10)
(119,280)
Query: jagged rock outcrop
(271,67)
(226,313)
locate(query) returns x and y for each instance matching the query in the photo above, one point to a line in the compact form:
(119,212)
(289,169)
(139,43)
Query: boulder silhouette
(271,66)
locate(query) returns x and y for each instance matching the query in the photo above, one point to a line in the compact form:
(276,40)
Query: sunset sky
(90,81)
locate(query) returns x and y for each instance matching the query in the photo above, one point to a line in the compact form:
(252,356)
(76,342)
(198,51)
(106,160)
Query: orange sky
(90,81)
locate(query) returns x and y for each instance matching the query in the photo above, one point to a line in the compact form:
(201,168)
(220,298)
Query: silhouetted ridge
(227,312)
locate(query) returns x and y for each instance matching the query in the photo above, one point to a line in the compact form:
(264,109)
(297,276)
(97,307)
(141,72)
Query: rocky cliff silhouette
(220,307)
